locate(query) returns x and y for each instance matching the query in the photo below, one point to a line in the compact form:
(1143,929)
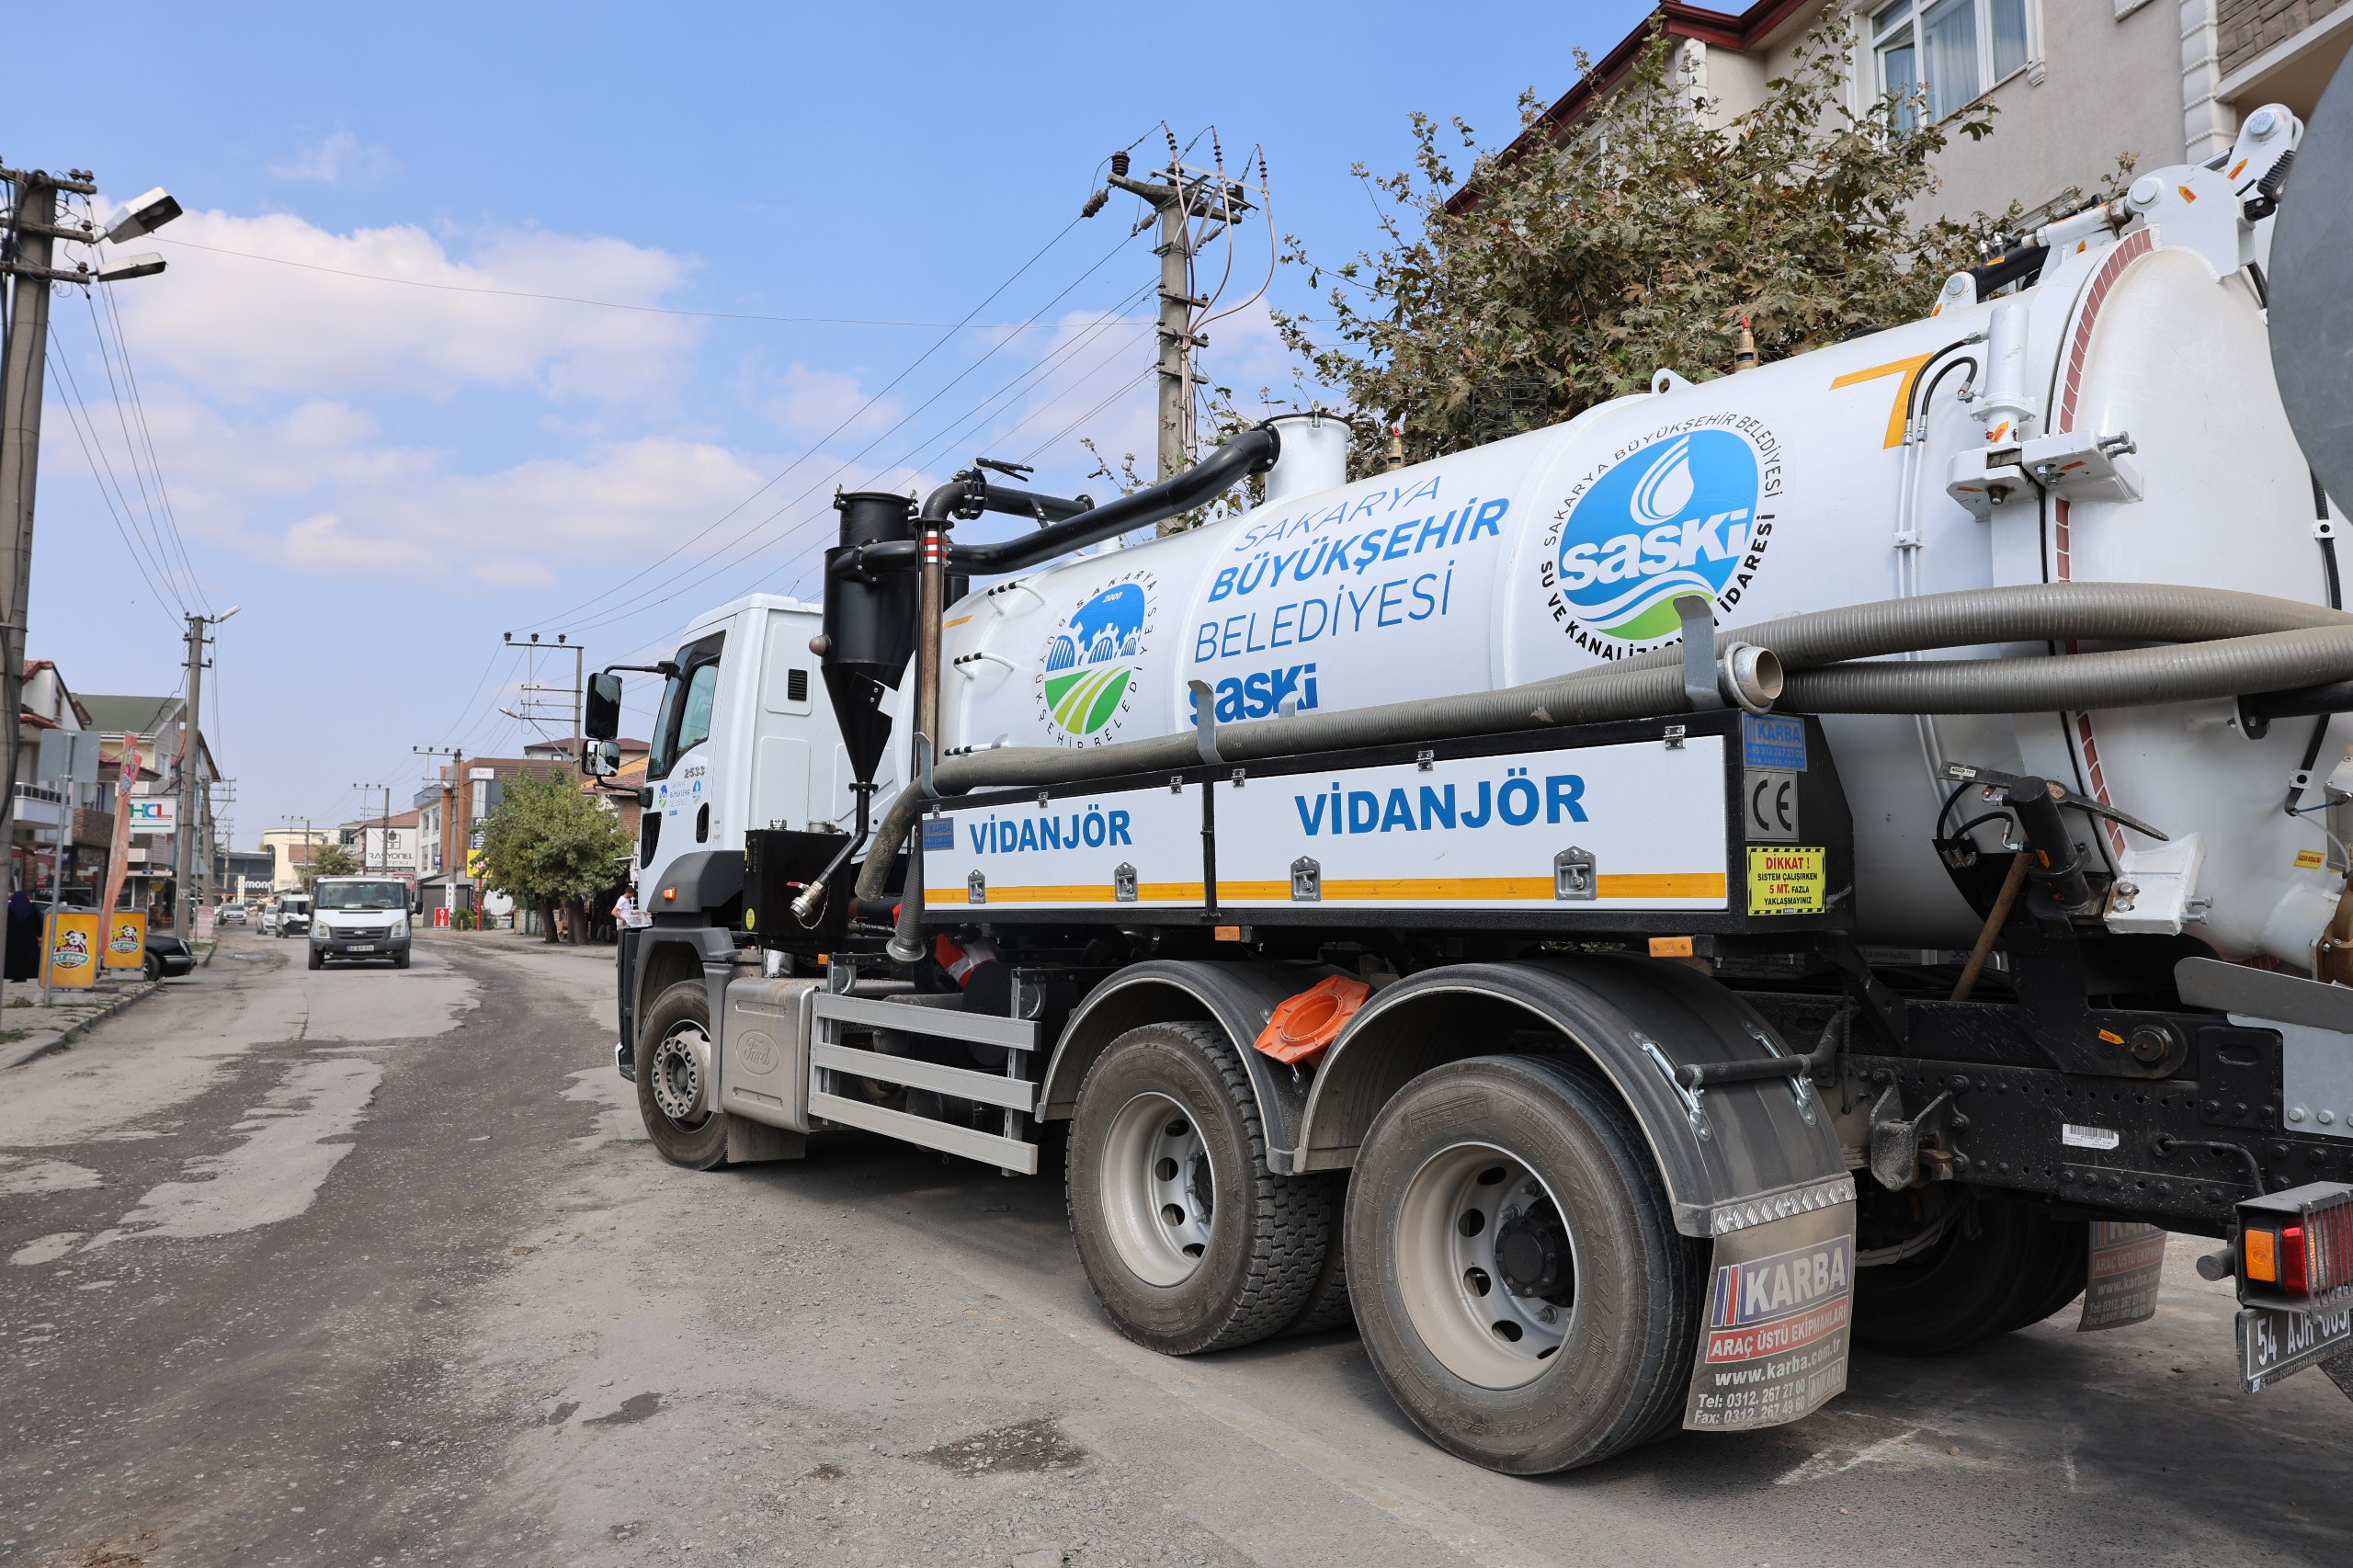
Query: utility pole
(190,863)
(1179,196)
(26,261)
(451,792)
(383,828)
(563,644)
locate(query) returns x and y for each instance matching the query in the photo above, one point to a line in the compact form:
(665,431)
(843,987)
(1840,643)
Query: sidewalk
(34,1031)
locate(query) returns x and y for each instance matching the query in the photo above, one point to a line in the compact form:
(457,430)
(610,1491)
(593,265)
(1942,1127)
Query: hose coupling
(1751,677)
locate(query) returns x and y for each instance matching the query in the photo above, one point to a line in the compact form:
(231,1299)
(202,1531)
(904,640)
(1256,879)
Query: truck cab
(743,738)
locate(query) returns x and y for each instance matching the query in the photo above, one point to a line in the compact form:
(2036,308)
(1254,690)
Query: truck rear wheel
(1994,1266)
(1518,1280)
(674,1087)
(1190,1241)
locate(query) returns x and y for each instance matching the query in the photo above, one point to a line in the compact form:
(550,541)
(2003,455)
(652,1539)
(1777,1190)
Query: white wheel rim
(678,1075)
(1462,1294)
(1157,1190)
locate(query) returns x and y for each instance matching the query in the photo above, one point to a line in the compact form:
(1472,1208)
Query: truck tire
(1190,1241)
(1328,1306)
(2000,1266)
(1518,1280)
(318,960)
(666,1045)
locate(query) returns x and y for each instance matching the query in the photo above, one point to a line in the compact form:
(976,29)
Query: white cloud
(241,327)
(803,402)
(338,159)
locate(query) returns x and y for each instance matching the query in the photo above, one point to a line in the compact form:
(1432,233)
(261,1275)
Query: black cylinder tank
(869,626)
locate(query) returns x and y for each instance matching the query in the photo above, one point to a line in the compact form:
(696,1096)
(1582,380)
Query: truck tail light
(2296,1247)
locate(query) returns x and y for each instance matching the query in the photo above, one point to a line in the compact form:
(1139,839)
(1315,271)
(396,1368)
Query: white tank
(1784,489)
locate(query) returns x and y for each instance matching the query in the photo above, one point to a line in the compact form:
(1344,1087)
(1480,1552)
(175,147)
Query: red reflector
(2295,1276)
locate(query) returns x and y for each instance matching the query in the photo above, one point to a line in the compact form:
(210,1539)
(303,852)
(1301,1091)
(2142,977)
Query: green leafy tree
(1571,273)
(328,860)
(549,845)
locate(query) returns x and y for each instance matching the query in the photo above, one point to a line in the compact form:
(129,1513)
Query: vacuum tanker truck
(1845,853)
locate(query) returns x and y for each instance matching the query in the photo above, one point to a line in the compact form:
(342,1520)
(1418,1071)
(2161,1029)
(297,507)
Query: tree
(550,845)
(1568,276)
(328,860)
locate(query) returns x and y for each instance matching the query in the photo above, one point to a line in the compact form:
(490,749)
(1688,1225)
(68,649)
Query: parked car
(167,955)
(233,914)
(269,920)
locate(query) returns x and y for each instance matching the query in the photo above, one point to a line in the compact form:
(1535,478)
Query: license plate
(361,947)
(2273,1344)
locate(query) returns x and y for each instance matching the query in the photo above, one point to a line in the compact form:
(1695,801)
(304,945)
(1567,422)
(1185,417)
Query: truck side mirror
(601,759)
(602,720)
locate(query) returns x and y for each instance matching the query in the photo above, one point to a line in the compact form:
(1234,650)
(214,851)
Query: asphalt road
(370,1267)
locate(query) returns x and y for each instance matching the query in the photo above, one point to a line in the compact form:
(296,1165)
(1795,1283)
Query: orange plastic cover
(1305,1024)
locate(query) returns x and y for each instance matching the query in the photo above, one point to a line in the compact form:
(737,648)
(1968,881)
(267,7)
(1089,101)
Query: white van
(359,917)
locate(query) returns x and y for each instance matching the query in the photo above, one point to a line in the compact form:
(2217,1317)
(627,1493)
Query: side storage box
(764,1050)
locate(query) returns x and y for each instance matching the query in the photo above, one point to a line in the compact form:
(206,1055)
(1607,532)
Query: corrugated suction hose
(2214,644)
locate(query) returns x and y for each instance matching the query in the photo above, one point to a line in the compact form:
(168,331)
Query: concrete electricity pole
(31,236)
(531,689)
(191,865)
(452,792)
(1179,197)
(383,827)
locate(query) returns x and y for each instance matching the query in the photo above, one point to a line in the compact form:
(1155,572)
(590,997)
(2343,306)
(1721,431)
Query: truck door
(681,768)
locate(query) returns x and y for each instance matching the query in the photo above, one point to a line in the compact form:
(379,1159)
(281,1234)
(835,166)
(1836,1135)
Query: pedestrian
(23,950)
(624,911)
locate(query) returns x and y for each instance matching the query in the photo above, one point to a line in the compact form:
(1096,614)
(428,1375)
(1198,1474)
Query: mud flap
(1773,1329)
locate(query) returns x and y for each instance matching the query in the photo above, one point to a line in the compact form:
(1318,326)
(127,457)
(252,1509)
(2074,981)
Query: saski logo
(1672,518)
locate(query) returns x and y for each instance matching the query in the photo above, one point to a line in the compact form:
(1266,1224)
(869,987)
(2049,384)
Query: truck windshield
(362,895)
(683,721)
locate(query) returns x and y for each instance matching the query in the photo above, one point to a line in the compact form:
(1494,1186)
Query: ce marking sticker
(1769,804)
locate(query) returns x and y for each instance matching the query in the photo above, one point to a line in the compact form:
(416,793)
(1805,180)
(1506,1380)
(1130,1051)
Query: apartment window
(1949,49)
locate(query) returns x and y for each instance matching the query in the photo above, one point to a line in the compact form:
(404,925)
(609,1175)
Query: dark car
(167,955)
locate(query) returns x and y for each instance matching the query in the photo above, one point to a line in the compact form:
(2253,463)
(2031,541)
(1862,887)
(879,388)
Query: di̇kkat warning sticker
(1785,879)
(1773,1336)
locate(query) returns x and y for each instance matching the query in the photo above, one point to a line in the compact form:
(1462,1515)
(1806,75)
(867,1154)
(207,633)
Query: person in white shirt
(625,911)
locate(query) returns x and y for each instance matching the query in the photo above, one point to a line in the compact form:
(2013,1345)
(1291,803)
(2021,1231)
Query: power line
(155,520)
(613,616)
(967,324)
(139,408)
(818,444)
(74,415)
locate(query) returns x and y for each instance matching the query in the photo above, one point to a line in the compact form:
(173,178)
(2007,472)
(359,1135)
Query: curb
(63,1038)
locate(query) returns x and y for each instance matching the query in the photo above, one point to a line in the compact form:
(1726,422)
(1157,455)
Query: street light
(145,215)
(146,264)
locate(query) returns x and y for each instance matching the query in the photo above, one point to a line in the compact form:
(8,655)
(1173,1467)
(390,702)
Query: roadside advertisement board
(126,939)
(72,948)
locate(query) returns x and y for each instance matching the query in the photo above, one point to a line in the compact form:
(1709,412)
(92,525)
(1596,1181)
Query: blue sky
(386,476)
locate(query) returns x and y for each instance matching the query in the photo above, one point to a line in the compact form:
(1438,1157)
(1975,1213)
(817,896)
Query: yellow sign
(473,863)
(1785,881)
(73,948)
(126,939)
(2310,859)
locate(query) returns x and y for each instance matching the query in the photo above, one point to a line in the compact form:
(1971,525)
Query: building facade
(2077,85)
(168,742)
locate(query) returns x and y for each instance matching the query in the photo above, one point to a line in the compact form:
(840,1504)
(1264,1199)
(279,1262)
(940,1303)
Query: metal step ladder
(830,1061)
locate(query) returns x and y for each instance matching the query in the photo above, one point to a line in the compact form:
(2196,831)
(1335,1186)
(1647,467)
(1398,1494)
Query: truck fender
(1731,1155)
(667,954)
(1239,996)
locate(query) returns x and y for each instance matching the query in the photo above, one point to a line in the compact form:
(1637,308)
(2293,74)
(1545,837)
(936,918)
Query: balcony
(40,806)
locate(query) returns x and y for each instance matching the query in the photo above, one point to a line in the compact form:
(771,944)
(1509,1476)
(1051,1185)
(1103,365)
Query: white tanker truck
(1841,853)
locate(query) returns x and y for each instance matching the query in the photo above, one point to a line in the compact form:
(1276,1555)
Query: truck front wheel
(1191,1243)
(1518,1280)
(674,1071)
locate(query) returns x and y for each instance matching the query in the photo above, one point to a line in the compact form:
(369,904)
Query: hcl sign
(152,813)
